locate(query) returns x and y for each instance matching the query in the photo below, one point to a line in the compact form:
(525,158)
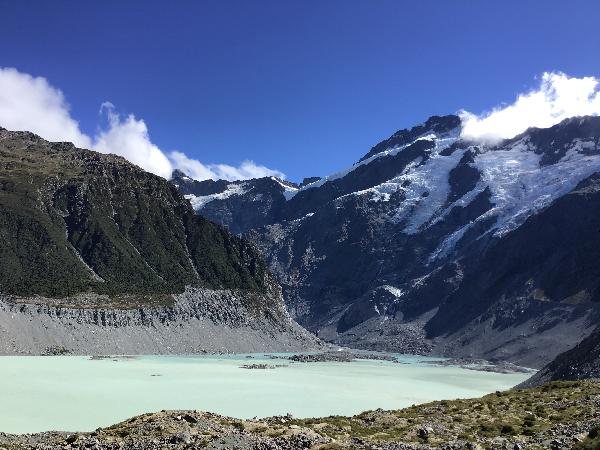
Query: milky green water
(78,394)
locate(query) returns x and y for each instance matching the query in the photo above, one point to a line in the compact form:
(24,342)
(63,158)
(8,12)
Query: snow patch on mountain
(199,201)
(449,243)
(425,187)
(288,190)
(396,292)
(383,192)
(448,138)
(520,187)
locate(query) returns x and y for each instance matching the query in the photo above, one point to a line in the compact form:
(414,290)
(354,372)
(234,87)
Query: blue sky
(302,87)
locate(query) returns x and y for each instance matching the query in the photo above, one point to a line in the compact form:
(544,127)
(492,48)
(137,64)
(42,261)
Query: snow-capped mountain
(432,242)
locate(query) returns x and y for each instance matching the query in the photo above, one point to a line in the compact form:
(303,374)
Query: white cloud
(32,104)
(558,97)
(128,137)
(197,170)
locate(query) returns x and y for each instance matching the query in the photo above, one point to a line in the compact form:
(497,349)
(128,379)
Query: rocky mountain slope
(580,362)
(240,205)
(90,240)
(554,416)
(430,243)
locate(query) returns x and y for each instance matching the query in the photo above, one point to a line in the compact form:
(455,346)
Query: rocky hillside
(431,243)
(581,362)
(554,416)
(81,230)
(240,205)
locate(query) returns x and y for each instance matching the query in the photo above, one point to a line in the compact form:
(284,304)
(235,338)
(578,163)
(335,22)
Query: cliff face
(98,256)
(433,243)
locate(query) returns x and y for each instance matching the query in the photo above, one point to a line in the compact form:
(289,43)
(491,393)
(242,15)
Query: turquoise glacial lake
(76,393)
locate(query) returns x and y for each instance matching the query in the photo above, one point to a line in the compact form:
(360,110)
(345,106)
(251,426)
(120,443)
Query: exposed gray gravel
(200,321)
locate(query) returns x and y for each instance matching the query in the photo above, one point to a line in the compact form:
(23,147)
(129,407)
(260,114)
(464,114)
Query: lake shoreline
(525,422)
(236,385)
(331,354)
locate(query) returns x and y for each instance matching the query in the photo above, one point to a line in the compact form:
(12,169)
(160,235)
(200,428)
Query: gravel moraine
(199,321)
(482,365)
(340,356)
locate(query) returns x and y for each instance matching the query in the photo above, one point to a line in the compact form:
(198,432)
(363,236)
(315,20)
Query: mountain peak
(178,174)
(435,124)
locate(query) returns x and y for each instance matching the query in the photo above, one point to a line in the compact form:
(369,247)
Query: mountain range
(429,244)
(432,243)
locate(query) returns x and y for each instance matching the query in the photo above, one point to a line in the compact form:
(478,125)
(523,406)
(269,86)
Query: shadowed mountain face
(74,222)
(431,243)
(581,362)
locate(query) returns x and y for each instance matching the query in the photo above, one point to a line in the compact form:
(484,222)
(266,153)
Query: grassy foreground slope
(557,415)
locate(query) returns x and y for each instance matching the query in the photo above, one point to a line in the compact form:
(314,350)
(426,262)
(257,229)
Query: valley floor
(556,415)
